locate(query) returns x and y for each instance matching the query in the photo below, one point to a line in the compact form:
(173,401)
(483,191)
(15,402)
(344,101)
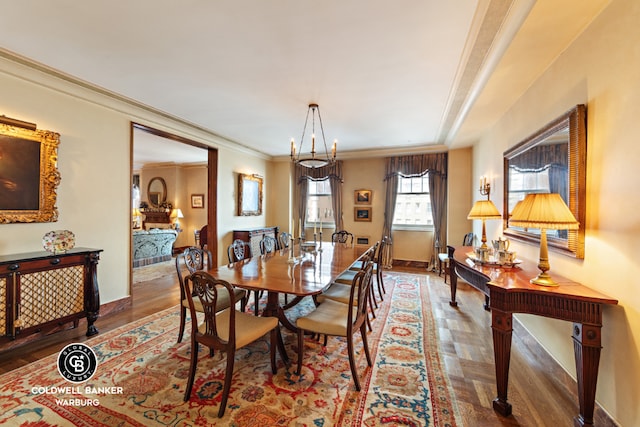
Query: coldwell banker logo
(77,363)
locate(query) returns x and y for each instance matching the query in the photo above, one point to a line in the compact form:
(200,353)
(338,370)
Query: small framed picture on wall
(363,197)
(197,201)
(362,214)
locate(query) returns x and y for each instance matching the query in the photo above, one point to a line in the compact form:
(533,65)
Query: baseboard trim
(411,263)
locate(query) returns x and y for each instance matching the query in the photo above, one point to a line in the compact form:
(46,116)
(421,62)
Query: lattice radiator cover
(3,306)
(50,295)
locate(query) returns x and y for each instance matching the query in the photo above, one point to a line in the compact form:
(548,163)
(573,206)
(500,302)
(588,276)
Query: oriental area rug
(141,376)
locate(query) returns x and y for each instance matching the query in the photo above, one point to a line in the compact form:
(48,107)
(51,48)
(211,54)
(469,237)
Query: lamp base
(543,279)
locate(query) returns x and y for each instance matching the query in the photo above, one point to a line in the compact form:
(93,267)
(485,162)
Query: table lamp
(176,214)
(543,211)
(484,209)
(136,214)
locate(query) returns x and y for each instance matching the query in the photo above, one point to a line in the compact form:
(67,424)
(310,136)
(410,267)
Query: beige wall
(459,196)
(368,174)
(94,160)
(600,69)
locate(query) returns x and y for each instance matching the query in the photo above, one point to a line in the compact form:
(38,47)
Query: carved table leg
(453,284)
(92,294)
(586,347)
(274,309)
(502,330)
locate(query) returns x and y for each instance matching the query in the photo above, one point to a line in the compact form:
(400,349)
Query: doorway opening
(185,199)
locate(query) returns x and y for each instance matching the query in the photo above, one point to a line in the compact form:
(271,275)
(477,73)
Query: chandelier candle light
(543,211)
(312,161)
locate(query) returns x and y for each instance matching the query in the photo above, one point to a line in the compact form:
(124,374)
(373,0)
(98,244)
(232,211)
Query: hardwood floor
(540,392)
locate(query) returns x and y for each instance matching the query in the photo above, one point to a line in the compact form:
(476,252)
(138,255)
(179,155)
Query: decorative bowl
(57,241)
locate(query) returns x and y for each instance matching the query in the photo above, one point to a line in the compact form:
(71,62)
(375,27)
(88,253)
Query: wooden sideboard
(40,292)
(509,291)
(155,217)
(254,235)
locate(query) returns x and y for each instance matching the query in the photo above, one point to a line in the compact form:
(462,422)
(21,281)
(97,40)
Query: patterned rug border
(354,410)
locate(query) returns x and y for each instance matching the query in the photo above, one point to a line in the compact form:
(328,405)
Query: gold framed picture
(362,197)
(29,174)
(362,214)
(249,195)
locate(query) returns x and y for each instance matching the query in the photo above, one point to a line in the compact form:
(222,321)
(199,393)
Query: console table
(40,291)
(508,291)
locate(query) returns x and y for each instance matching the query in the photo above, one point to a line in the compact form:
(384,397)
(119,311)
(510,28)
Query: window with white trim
(413,204)
(319,205)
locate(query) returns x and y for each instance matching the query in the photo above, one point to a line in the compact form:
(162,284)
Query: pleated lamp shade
(545,211)
(484,209)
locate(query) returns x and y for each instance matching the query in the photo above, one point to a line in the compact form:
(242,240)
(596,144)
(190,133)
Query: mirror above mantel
(552,160)
(157,192)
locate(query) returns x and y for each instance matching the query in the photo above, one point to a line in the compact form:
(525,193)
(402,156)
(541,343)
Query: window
(413,205)
(319,205)
(523,182)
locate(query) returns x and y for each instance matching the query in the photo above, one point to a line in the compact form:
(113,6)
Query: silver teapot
(500,245)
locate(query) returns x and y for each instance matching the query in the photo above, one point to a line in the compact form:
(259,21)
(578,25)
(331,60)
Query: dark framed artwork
(197,201)
(249,195)
(362,197)
(29,174)
(362,214)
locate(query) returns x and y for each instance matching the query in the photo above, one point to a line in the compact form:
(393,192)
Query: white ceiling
(388,76)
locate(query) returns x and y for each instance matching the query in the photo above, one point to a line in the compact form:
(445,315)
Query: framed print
(363,197)
(29,174)
(249,195)
(197,201)
(362,241)
(362,214)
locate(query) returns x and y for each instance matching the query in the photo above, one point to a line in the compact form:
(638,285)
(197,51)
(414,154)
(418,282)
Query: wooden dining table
(282,272)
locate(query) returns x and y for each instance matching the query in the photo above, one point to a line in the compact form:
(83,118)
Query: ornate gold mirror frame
(559,151)
(249,195)
(29,174)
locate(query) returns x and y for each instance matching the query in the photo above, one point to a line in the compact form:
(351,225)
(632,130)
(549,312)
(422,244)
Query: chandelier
(311,161)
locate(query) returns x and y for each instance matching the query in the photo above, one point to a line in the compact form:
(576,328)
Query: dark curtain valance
(541,157)
(416,165)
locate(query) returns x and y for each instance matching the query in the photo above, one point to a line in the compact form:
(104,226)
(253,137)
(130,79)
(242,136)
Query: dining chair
(443,258)
(195,259)
(342,236)
(333,318)
(377,266)
(284,239)
(268,245)
(203,236)
(340,288)
(238,251)
(225,330)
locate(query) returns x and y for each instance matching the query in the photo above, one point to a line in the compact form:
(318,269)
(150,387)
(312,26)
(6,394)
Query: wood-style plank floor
(540,393)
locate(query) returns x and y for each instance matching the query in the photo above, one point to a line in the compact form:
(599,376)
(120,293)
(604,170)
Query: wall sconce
(485,187)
